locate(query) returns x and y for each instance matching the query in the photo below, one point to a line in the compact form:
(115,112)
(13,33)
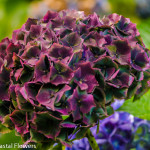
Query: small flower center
(45,71)
(59,58)
(80,81)
(79,101)
(104,67)
(52,95)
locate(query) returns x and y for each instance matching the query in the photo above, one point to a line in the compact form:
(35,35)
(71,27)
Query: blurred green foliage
(13,13)
(139,108)
(9,138)
(127,8)
(143,27)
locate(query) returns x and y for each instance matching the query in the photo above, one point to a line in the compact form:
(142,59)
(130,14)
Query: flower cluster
(61,73)
(119,131)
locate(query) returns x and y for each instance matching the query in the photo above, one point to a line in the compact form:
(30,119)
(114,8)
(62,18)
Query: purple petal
(93,20)
(3,46)
(32,90)
(69,22)
(12,91)
(49,15)
(42,69)
(68,125)
(87,103)
(94,39)
(83,86)
(86,69)
(72,100)
(91,82)
(60,73)
(139,59)
(107,66)
(59,51)
(114,18)
(35,31)
(123,47)
(50,36)
(4,95)
(64,111)
(4,83)
(75,59)
(17,61)
(29,23)
(13,48)
(18,35)
(46,97)
(109,73)
(80,102)
(5,74)
(76,114)
(30,52)
(72,40)
(49,94)
(85,77)
(57,22)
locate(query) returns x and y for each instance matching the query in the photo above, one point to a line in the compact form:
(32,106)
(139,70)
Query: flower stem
(63,147)
(92,140)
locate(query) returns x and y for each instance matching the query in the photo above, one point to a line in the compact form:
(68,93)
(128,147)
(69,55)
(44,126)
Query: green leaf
(45,145)
(139,108)
(64,117)
(36,136)
(143,28)
(42,121)
(4,129)
(99,96)
(7,122)
(110,110)
(58,147)
(82,132)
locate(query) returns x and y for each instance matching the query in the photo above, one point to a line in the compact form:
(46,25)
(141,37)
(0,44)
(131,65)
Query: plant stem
(63,147)
(92,140)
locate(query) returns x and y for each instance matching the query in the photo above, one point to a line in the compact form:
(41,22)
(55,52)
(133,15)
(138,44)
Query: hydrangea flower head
(62,72)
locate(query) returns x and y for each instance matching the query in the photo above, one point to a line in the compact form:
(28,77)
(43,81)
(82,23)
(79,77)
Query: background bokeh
(13,13)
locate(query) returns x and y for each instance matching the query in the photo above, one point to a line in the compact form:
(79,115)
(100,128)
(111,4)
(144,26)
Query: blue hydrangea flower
(121,131)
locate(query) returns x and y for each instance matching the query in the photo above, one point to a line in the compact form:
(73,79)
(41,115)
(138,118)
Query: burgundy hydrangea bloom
(20,120)
(81,103)
(139,59)
(60,52)
(85,77)
(60,74)
(121,51)
(49,94)
(42,69)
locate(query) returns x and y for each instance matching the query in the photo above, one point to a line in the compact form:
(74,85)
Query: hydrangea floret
(118,131)
(60,74)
